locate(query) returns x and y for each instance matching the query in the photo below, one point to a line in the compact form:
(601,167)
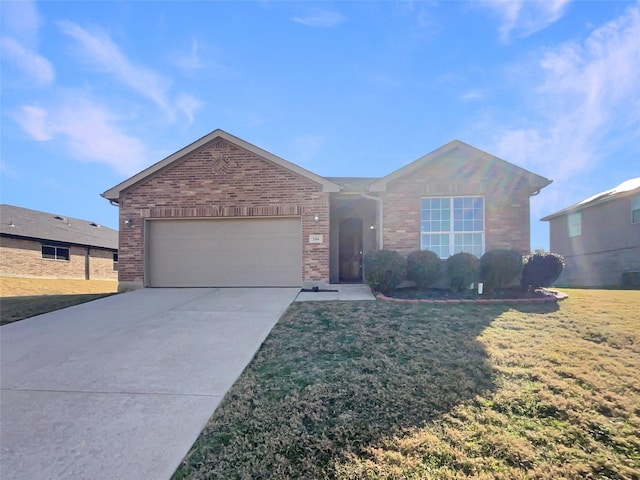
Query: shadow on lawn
(13,309)
(341,377)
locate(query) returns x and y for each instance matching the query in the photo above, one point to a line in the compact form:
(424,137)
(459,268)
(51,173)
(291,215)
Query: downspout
(379,201)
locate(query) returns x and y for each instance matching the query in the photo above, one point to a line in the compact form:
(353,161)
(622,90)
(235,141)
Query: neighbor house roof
(624,188)
(114,193)
(536,182)
(34,224)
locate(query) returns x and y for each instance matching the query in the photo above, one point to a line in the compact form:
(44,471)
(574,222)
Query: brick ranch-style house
(39,244)
(223,212)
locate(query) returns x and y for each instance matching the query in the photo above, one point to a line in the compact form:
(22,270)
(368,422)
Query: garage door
(255,252)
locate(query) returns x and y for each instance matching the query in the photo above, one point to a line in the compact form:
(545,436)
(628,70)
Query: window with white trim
(115,261)
(635,209)
(55,253)
(574,224)
(450,225)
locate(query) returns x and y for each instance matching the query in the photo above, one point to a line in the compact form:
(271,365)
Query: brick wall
(23,258)
(506,204)
(223,180)
(101,265)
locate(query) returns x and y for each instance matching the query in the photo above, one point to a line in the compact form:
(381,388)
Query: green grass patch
(375,390)
(13,309)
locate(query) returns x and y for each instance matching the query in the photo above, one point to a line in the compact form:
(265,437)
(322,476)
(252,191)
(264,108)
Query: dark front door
(350,254)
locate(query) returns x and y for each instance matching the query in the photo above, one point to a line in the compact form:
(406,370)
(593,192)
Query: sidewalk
(344,292)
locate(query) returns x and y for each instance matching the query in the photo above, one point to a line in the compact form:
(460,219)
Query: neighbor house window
(115,261)
(635,209)
(574,224)
(451,225)
(55,253)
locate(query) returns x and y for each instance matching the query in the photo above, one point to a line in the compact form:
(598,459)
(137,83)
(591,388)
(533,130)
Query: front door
(350,253)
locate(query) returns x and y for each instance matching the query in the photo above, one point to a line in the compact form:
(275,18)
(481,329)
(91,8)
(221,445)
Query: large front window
(451,225)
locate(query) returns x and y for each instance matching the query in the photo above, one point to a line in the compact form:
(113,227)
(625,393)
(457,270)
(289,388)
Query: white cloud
(99,51)
(322,18)
(22,20)
(522,18)
(188,105)
(19,46)
(35,66)
(472,95)
(306,147)
(106,56)
(190,61)
(33,120)
(586,103)
(89,132)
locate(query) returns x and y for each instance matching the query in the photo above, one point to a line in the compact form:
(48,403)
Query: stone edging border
(554,297)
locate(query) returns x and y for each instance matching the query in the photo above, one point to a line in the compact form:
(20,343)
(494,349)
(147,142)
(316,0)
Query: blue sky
(92,92)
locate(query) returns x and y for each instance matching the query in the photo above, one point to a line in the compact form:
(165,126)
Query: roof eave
(581,206)
(536,181)
(113,193)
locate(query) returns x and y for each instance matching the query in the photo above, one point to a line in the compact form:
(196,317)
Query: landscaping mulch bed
(414,293)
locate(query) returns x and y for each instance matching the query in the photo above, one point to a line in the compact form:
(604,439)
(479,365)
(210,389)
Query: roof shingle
(23,222)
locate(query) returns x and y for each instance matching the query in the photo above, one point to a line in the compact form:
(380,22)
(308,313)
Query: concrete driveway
(122,386)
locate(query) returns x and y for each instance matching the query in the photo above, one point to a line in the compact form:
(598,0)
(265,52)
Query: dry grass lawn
(22,298)
(376,390)
(28,287)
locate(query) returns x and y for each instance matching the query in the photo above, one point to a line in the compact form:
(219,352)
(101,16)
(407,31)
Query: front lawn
(354,390)
(13,309)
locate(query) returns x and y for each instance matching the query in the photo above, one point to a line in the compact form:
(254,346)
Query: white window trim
(577,226)
(635,207)
(453,232)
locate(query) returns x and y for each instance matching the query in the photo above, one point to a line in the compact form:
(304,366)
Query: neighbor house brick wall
(101,264)
(506,203)
(223,180)
(21,257)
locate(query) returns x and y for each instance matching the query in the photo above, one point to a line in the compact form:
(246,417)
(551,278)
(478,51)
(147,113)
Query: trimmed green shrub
(423,267)
(384,269)
(541,269)
(462,270)
(500,267)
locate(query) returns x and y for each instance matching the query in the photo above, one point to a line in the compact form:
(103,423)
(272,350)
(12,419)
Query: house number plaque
(315,238)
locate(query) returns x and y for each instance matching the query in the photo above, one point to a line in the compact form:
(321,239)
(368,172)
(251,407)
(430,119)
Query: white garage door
(248,252)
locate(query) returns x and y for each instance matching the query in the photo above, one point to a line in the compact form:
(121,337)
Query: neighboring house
(223,212)
(599,237)
(39,244)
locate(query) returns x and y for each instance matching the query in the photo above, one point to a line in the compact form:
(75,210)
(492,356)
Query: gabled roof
(114,192)
(536,182)
(33,224)
(624,188)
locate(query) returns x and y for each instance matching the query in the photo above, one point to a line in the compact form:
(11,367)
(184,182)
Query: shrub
(500,267)
(462,270)
(541,269)
(423,267)
(384,269)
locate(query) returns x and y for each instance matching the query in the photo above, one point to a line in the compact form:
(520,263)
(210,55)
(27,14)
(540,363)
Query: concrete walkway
(342,291)
(120,388)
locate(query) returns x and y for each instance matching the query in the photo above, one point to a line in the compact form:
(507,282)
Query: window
(451,225)
(635,209)
(574,224)
(115,261)
(55,253)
